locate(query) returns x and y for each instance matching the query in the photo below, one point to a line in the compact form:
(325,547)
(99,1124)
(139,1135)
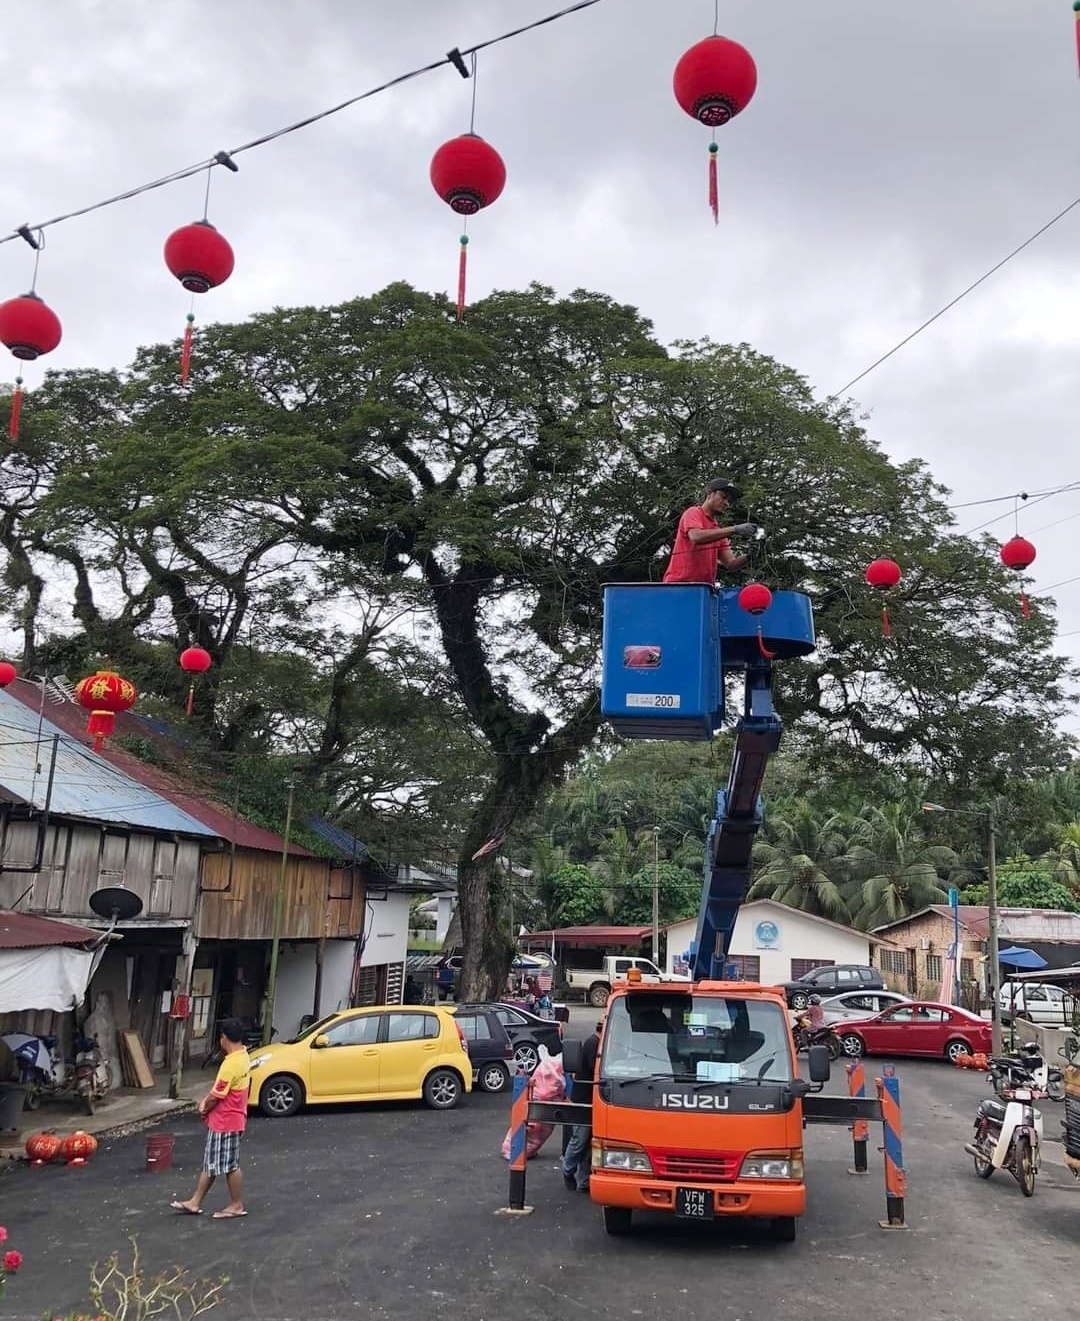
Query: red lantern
(77,1148)
(29,328)
(881,575)
(1019,554)
(42,1148)
(755,598)
(468,174)
(713,82)
(104,694)
(201,259)
(8,673)
(194,660)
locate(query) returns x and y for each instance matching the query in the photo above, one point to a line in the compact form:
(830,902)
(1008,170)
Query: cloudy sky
(893,153)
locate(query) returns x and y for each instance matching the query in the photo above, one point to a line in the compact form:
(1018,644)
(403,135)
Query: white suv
(1038,1002)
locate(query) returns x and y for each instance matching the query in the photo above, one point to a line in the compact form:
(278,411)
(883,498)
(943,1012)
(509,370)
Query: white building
(773,943)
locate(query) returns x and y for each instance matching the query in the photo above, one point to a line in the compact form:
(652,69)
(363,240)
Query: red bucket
(159,1151)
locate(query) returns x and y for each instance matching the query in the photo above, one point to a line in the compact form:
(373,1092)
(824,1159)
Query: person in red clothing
(700,542)
(225,1109)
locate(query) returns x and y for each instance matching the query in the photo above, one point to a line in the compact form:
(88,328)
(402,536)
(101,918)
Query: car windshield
(706,1038)
(320,1026)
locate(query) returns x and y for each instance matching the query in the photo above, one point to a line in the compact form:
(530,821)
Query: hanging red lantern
(194,660)
(104,694)
(713,82)
(8,673)
(29,328)
(1019,554)
(201,259)
(468,174)
(77,1148)
(755,599)
(41,1148)
(883,574)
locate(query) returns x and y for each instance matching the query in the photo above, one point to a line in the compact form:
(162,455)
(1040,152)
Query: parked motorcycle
(46,1075)
(93,1076)
(1009,1128)
(807,1036)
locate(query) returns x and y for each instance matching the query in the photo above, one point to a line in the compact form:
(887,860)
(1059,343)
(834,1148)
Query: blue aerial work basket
(661,661)
(667,645)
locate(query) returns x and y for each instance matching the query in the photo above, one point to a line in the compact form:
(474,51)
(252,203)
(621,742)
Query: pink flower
(12,1261)
(3,1234)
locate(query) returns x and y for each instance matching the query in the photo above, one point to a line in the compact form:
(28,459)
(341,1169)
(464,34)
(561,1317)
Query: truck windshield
(706,1038)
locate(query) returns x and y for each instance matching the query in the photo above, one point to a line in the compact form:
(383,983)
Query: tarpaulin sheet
(54,978)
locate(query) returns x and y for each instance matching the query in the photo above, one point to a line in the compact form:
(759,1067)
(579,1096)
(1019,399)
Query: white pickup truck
(595,983)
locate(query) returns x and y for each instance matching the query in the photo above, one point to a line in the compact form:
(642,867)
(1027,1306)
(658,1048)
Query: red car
(922,1027)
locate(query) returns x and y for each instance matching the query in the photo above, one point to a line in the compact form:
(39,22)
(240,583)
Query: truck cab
(697,1105)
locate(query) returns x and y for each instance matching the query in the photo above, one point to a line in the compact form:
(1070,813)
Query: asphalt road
(389,1212)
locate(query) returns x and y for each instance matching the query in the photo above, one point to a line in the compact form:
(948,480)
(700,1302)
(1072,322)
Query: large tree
(488,477)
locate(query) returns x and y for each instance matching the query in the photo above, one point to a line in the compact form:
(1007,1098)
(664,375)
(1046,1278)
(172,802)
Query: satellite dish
(116,903)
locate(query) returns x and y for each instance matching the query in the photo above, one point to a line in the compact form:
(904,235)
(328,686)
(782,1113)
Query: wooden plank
(132,1046)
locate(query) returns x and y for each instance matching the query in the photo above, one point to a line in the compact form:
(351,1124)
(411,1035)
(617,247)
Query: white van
(1038,1002)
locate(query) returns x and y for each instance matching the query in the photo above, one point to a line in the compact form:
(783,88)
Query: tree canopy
(390,530)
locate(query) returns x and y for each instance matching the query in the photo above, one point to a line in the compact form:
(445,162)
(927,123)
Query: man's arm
(705,536)
(730,561)
(221,1088)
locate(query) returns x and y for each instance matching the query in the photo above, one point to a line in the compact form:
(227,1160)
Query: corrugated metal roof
(592,936)
(343,841)
(24,931)
(84,784)
(217,819)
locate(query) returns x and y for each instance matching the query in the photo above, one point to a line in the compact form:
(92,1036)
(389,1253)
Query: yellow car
(382,1053)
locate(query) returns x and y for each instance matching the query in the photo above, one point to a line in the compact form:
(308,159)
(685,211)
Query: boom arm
(738,816)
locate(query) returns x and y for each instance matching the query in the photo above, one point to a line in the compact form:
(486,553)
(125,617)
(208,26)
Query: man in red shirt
(700,542)
(225,1109)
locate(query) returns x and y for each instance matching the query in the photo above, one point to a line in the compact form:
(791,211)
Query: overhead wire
(224,158)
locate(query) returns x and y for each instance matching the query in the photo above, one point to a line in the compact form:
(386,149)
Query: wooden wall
(80,858)
(238,898)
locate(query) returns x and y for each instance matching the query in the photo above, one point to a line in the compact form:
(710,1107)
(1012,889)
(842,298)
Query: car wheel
(526,1057)
(442,1089)
(957,1050)
(599,994)
(493,1077)
(852,1046)
(281,1096)
(618,1219)
(784,1228)
(800,1000)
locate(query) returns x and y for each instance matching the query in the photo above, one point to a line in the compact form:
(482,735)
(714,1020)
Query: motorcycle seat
(991,1109)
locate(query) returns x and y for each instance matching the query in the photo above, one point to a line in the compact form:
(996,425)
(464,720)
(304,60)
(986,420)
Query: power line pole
(656,896)
(279,909)
(992,924)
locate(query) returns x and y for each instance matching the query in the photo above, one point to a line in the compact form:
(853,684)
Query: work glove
(745,529)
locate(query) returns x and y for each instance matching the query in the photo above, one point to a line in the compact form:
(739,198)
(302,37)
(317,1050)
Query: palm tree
(795,861)
(891,871)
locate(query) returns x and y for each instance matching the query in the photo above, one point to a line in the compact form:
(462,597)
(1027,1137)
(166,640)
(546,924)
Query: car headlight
(772,1165)
(628,1160)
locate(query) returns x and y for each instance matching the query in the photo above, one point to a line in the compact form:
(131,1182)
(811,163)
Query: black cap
(722,484)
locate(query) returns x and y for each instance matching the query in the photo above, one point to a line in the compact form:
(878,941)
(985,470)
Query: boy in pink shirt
(700,543)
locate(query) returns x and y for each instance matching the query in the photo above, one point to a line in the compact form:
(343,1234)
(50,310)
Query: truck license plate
(694,1203)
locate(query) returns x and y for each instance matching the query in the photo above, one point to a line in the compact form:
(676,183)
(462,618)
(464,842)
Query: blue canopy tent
(1017,957)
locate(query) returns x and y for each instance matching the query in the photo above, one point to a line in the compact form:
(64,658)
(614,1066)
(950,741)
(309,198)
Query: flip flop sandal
(228,1215)
(185,1210)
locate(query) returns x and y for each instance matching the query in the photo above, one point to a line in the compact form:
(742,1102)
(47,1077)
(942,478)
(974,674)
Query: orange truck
(698,1106)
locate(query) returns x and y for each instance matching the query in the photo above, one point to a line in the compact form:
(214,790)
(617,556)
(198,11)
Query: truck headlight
(772,1165)
(627,1160)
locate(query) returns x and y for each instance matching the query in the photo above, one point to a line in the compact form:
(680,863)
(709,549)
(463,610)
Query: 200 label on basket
(670,701)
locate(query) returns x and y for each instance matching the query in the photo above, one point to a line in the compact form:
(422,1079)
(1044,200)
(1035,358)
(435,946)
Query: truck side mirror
(571,1057)
(820,1065)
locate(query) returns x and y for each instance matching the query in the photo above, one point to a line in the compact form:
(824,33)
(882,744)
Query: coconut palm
(794,861)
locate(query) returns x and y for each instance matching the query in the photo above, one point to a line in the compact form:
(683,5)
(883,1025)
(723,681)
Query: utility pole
(279,909)
(656,896)
(992,924)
